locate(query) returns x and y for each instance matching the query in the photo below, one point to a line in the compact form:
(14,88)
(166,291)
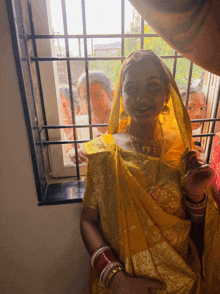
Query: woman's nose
(144,98)
(197,113)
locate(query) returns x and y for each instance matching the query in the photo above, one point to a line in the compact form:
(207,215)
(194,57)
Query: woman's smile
(145,109)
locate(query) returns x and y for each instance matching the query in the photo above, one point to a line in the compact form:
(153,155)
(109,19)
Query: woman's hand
(121,283)
(82,156)
(197,175)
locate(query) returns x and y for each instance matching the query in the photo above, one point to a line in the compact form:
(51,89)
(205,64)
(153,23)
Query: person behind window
(148,189)
(101,95)
(196,106)
(196,109)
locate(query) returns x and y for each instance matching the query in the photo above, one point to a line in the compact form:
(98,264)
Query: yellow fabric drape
(147,230)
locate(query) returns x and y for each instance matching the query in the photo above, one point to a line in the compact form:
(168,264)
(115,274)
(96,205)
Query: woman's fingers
(155,284)
(82,155)
(82,158)
(192,162)
(198,179)
(188,159)
(205,169)
(73,158)
(189,155)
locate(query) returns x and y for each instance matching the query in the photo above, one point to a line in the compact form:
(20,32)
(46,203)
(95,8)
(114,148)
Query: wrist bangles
(106,264)
(195,209)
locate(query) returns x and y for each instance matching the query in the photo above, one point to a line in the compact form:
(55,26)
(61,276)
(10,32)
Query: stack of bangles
(196,210)
(106,264)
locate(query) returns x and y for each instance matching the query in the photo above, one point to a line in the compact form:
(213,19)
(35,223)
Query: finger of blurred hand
(83,152)
(73,158)
(80,160)
(83,158)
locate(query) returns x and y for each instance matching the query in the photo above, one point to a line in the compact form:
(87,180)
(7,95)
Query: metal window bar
(93,36)
(213,126)
(174,65)
(93,58)
(142,33)
(122,29)
(189,83)
(86,66)
(37,67)
(70,82)
(207,96)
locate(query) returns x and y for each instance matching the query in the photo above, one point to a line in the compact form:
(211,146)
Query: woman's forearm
(92,236)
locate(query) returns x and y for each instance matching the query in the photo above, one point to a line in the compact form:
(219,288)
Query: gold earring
(165,110)
(123,115)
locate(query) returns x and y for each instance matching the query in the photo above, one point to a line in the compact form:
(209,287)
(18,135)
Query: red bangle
(103,260)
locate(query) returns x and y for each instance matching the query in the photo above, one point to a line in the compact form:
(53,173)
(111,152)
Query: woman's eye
(153,85)
(69,108)
(130,90)
(96,96)
(191,108)
(203,108)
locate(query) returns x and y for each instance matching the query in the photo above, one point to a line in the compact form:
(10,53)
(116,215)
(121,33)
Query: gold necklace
(150,146)
(154,189)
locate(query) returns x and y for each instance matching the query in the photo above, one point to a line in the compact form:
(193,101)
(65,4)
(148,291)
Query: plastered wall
(41,247)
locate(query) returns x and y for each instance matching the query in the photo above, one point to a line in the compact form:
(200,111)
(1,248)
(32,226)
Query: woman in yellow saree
(147,188)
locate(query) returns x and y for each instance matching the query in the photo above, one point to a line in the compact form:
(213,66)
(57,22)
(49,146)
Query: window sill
(64,193)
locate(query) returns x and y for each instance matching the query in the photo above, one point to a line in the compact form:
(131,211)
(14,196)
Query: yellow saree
(141,209)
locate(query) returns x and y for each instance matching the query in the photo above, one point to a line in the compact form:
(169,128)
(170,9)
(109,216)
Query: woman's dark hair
(96,77)
(65,92)
(191,91)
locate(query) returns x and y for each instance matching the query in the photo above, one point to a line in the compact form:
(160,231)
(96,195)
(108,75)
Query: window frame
(50,190)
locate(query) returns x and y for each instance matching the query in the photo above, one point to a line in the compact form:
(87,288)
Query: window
(56,41)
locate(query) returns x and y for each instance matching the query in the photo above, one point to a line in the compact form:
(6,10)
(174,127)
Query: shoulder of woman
(99,145)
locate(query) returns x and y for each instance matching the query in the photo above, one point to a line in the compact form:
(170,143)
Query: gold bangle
(114,271)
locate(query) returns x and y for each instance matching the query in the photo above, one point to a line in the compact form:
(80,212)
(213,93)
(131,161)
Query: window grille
(28,64)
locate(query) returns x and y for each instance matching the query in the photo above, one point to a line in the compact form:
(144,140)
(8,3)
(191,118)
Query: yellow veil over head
(177,121)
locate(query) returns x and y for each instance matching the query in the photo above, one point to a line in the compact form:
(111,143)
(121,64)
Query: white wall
(42,248)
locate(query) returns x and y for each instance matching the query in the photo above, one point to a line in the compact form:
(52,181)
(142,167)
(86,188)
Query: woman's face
(143,91)
(100,101)
(196,108)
